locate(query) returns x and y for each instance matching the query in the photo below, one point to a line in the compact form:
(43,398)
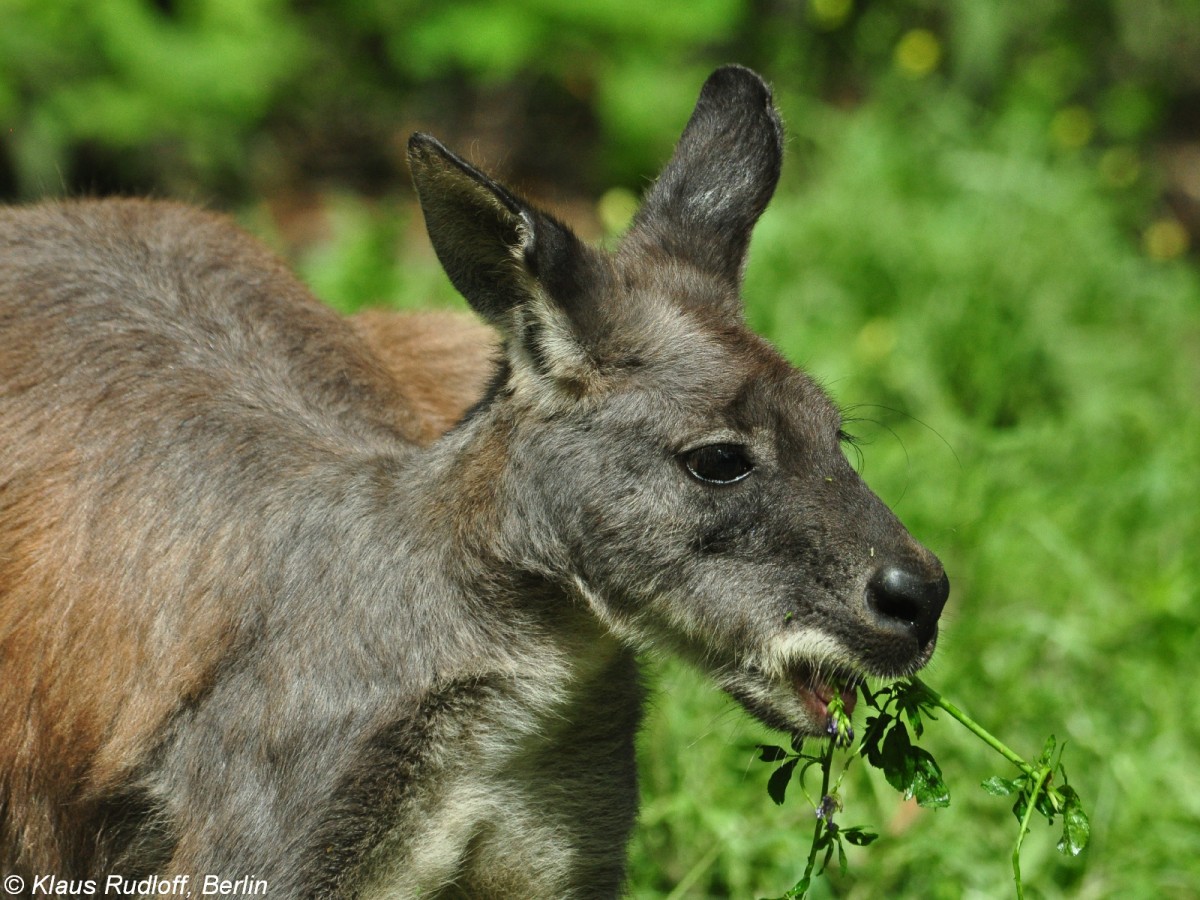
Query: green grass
(1024,384)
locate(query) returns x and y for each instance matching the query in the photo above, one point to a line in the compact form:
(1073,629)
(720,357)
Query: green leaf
(1046,803)
(912,693)
(927,786)
(1001,787)
(780,778)
(859,837)
(874,698)
(876,726)
(829,849)
(895,758)
(913,714)
(1076,828)
(771,753)
(800,889)
(916,704)
(1021,804)
(911,770)
(827,838)
(1047,751)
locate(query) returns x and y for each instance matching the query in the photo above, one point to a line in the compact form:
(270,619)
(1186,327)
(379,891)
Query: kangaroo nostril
(902,598)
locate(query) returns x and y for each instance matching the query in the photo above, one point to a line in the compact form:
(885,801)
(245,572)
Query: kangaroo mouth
(796,700)
(816,692)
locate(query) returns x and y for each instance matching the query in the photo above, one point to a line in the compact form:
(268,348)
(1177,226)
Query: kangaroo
(441,362)
(269,617)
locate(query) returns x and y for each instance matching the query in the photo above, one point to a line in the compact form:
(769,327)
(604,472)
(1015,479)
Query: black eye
(718,463)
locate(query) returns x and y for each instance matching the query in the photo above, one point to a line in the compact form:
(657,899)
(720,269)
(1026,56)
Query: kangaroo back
(157,368)
(440,361)
(322,607)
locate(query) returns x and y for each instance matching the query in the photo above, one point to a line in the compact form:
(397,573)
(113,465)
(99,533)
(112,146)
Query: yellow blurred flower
(876,340)
(1165,239)
(1072,127)
(615,209)
(918,52)
(831,13)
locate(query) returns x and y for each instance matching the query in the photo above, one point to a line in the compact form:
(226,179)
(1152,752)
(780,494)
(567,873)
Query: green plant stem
(1042,776)
(826,766)
(975,728)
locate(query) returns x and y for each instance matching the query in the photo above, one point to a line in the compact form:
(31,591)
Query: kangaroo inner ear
(519,268)
(480,232)
(724,170)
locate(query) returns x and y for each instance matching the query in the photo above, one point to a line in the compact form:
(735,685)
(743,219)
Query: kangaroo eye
(718,463)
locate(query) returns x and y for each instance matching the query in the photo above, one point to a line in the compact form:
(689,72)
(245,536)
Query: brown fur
(440,360)
(108,678)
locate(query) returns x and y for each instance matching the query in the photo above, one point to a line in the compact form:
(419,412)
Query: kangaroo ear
(724,170)
(482,234)
(521,269)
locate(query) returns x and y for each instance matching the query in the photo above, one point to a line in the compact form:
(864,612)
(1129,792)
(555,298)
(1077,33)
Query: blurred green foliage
(234,97)
(980,246)
(120,76)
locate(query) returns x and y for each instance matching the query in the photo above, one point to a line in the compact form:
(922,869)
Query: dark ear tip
(421,146)
(733,80)
(735,87)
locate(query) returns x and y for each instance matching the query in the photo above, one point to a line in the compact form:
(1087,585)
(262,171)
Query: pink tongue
(849,696)
(819,695)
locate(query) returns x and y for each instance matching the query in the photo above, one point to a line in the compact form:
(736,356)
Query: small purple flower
(838,727)
(828,806)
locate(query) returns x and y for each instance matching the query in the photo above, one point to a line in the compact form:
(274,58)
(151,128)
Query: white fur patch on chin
(773,702)
(812,650)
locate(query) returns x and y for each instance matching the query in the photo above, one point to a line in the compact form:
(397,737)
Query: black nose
(903,599)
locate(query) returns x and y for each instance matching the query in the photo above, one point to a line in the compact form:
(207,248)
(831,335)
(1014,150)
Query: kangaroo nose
(903,599)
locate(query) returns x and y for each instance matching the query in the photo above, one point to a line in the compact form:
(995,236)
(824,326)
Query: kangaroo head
(664,464)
